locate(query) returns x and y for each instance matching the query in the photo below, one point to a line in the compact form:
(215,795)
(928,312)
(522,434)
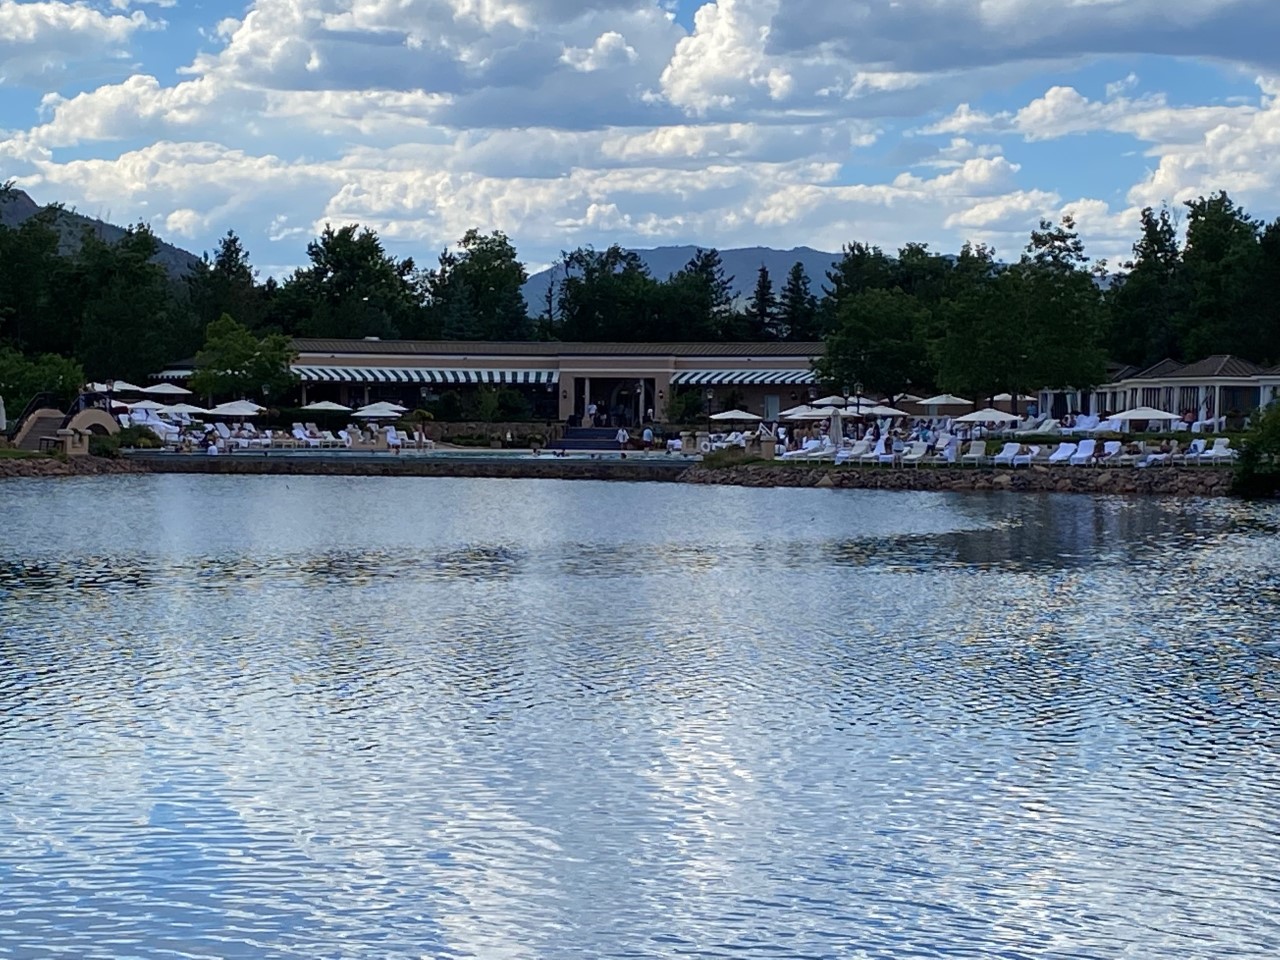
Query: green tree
(233,362)
(1059,309)
(352,288)
(721,320)
(879,341)
(798,307)
(131,321)
(476,293)
(227,283)
(860,267)
(1221,258)
(609,295)
(29,269)
(762,309)
(976,340)
(22,377)
(1144,301)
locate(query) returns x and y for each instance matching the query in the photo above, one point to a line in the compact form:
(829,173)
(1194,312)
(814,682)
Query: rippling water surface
(384,718)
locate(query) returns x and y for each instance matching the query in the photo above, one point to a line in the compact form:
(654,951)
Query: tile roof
(1219,365)
(514,348)
(1162,368)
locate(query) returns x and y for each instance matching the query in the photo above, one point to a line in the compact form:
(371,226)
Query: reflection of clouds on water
(604,720)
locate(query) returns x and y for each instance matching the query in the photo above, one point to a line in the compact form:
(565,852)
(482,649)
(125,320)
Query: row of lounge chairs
(1086,453)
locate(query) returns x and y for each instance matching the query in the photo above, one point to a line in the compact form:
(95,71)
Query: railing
(86,401)
(39,401)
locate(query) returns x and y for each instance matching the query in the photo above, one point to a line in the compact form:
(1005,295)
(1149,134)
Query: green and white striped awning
(433,375)
(691,378)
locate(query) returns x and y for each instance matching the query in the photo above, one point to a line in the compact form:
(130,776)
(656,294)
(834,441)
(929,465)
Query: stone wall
(1161,481)
(84,466)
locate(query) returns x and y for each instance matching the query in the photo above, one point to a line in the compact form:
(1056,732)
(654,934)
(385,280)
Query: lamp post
(711,395)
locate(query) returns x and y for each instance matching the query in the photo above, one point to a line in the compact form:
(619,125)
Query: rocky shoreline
(31,467)
(1159,481)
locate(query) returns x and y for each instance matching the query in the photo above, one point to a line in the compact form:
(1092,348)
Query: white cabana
(166,390)
(1144,413)
(742,416)
(237,408)
(988,415)
(326,406)
(1006,397)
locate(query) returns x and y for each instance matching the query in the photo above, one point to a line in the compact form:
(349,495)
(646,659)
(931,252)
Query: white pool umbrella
(237,408)
(739,415)
(945,400)
(166,390)
(326,406)
(148,405)
(880,410)
(795,413)
(381,410)
(184,408)
(1144,413)
(988,415)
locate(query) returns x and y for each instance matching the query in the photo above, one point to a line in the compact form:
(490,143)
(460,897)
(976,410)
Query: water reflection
(578,720)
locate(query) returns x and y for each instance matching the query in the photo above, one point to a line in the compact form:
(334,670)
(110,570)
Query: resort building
(1208,389)
(560,380)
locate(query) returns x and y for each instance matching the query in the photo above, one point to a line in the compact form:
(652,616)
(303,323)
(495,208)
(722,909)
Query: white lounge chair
(1063,453)
(1191,454)
(1220,452)
(914,453)
(853,452)
(1084,453)
(976,454)
(1111,451)
(1005,457)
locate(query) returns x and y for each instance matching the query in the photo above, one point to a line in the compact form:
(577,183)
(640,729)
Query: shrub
(104,446)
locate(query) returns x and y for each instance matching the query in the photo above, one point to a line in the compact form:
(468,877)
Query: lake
(394,717)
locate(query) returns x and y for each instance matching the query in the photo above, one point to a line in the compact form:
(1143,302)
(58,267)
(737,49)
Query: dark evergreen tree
(762,309)
(798,307)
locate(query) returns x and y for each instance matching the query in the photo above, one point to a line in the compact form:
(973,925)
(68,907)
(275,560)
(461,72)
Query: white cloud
(564,123)
(42,41)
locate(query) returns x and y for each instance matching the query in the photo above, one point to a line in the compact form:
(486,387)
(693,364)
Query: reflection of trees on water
(1046,533)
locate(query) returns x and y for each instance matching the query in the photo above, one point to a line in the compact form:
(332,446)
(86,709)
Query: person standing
(623,438)
(591,413)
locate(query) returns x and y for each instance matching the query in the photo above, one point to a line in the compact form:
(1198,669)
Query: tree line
(913,320)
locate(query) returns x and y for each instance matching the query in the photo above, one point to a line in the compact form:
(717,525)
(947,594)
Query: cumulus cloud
(562,123)
(41,42)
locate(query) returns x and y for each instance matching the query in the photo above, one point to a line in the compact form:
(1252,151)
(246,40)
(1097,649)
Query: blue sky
(643,122)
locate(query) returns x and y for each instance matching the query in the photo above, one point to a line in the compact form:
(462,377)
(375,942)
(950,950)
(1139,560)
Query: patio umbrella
(795,413)
(237,408)
(166,390)
(147,405)
(988,415)
(381,411)
(834,400)
(880,410)
(184,408)
(1006,397)
(1144,413)
(741,415)
(945,400)
(326,406)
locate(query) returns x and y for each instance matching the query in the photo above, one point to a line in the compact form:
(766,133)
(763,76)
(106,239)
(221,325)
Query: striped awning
(712,377)
(425,375)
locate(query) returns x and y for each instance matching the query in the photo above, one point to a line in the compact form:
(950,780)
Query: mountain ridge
(740,263)
(17,207)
